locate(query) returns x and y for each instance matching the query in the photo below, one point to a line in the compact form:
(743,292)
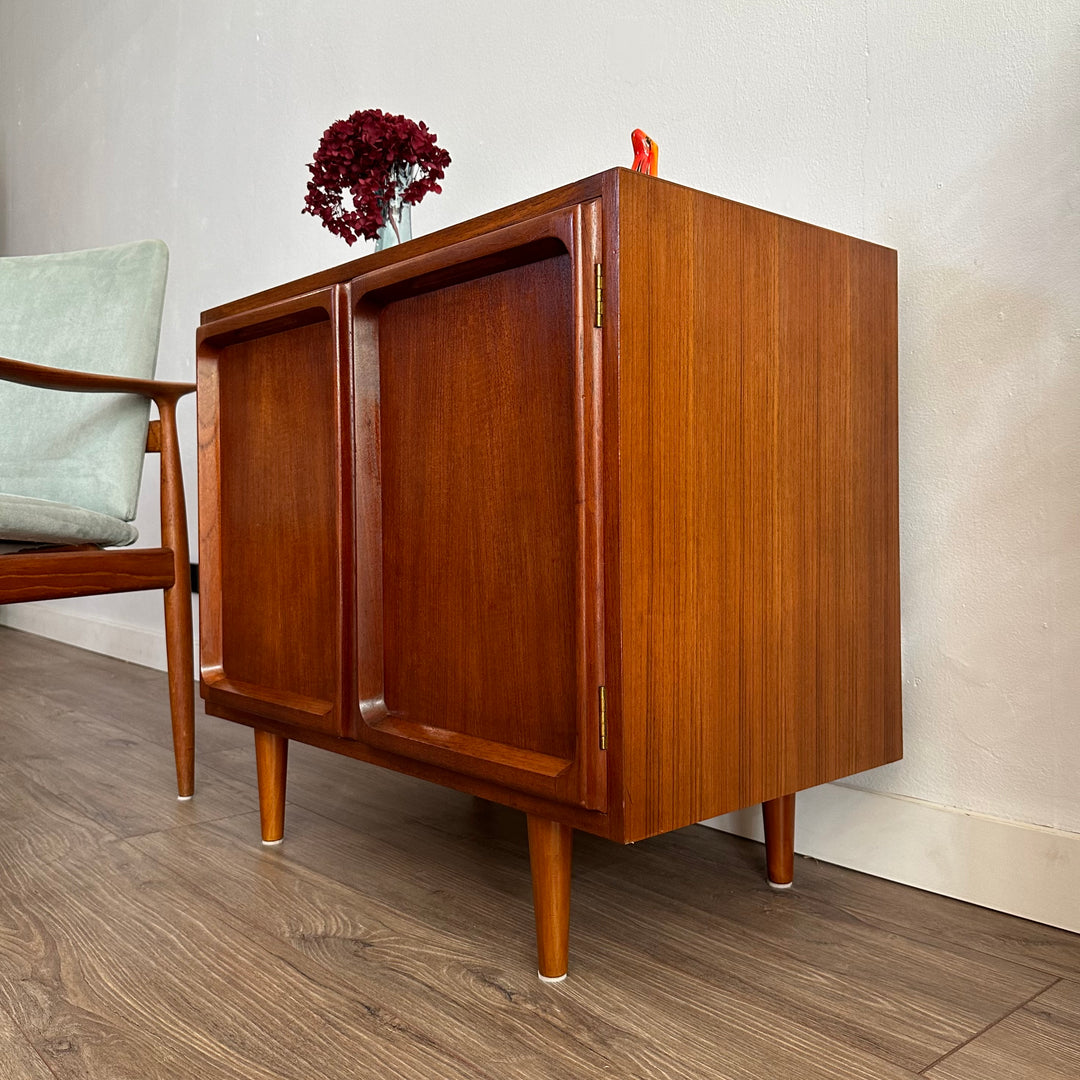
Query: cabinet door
(274,504)
(479,580)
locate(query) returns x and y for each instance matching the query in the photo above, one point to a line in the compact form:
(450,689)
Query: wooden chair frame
(88,570)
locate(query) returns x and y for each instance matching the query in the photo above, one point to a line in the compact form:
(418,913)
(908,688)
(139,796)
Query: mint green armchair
(78,348)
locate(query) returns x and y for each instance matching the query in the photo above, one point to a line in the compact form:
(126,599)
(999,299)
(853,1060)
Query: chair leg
(779,818)
(271,764)
(550,846)
(178,632)
(180,652)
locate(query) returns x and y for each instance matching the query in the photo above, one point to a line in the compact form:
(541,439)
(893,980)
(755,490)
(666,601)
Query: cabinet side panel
(838,565)
(279,517)
(758,505)
(683,325)
(813,564)
(873,312)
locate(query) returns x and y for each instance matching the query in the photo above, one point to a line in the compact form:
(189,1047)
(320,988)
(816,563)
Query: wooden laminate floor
(391,935)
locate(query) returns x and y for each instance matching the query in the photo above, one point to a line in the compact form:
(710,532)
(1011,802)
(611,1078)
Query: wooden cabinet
(587,506)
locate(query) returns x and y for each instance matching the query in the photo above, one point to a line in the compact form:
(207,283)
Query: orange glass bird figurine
(646,152)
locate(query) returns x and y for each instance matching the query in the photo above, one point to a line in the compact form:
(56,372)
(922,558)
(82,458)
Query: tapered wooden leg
(178,634)
(271,762)
(550,845)
(181,659)
(779,815)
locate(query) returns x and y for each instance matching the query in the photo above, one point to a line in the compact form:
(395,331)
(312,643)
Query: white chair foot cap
(273,843)
(546,978)
(778,885)
(184,798)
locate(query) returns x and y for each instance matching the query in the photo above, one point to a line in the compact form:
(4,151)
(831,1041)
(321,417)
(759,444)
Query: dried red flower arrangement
(378,158)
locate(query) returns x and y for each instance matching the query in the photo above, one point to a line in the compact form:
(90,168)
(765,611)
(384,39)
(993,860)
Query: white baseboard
(1025,870)
(137,644)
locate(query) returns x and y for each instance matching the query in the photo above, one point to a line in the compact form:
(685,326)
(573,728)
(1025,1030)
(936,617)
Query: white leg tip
(548,979)
(184,798)
(273,843)
(778,885)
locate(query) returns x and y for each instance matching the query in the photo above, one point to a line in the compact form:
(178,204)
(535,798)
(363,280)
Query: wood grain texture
(715,917)
(271,766)
(1040,1041)
(18,1059)
(275,521)
(477,499)
(646,1016)
(550,850)
(779,820)
(739,479)
(53,575)
(724,463)
(179,642)
(395,956)
(278,506)
(758,556)
(391,934)
(575,816)
(139,977)
(950,928)
(90,382)
(682,900)
(48,674)
(549,202)
(73,741)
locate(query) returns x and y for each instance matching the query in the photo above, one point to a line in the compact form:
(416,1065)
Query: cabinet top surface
(605,184)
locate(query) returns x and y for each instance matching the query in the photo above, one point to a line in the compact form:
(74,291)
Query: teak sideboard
(587,506)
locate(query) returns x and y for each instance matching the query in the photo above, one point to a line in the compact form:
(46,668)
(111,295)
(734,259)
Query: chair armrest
(50,378)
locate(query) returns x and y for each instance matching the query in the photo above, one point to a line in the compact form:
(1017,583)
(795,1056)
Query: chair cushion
(25,523)
(96,310)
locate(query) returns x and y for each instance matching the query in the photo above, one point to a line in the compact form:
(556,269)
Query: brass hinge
(603,718)
(599,295)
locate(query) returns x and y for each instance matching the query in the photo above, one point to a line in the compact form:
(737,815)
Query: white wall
(948,130)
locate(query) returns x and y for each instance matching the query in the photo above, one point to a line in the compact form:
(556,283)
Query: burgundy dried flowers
(378,159)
